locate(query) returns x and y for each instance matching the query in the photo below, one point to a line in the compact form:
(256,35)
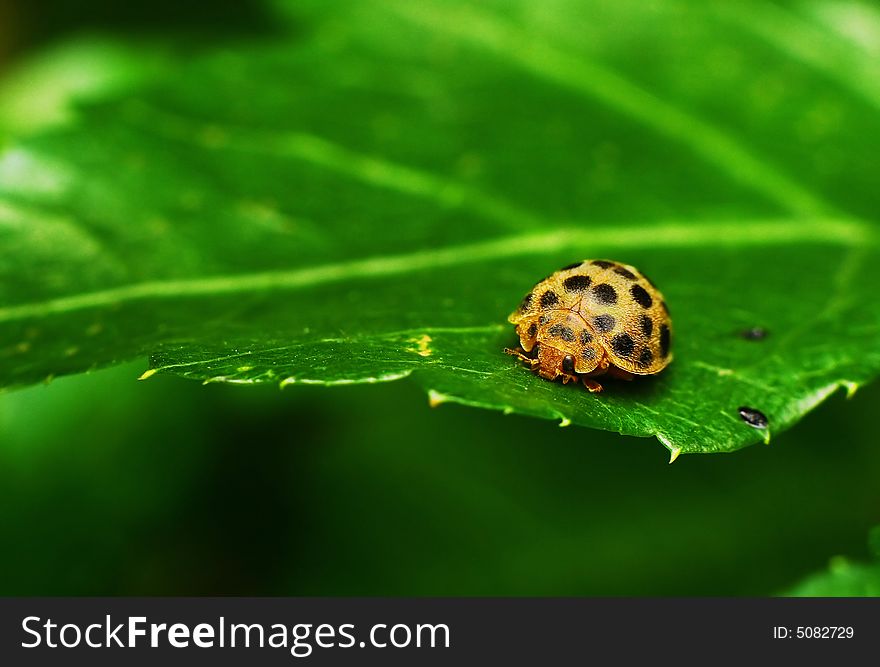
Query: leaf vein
(845,232)
(601,83)
(370,169)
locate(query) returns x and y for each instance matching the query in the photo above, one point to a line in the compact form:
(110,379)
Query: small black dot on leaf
(752,417)
(754,333)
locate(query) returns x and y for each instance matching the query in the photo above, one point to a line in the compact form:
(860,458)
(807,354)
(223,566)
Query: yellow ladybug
(592,318)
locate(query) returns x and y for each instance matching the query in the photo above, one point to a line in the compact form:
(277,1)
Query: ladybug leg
(592,386)
(532,363)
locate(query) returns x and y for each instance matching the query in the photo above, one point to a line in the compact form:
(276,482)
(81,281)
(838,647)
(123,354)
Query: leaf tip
(435,398)
(147,374)
(851,387)
(674,451)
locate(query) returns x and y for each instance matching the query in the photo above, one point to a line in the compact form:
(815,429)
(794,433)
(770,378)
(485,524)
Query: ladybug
(592,318)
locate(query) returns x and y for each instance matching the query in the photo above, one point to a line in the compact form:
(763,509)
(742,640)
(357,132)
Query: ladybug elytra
(593,318)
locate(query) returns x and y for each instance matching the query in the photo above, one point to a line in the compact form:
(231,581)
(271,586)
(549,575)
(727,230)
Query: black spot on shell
(586,337)
(602,263)
(571,266)
(568,364)
(626,273)
(647,326)
(622,344)
(664,340)
(576,283)
(563,332)
(646,357)
(752,417)
(526,303)
(533,330)
(549,299)
(754,333)
(605,294)
(588,354)
(604,323)
(641,296)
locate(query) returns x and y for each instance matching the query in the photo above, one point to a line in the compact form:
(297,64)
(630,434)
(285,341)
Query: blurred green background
(113,486)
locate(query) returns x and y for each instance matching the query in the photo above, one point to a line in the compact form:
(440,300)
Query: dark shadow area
(169,487)
(187,26)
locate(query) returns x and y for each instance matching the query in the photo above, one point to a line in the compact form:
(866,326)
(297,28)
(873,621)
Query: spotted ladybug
(592,318)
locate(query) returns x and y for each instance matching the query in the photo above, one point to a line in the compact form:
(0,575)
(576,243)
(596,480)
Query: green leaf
(369,203)
(844,577)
